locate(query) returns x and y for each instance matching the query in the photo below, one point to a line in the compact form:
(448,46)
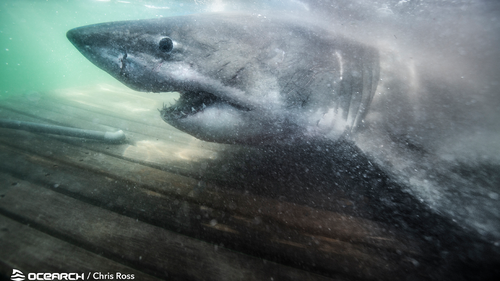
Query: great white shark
(278,80)
(241,80)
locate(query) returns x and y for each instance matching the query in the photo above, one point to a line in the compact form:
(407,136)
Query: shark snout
(96,47)
(73,36)
(87,36)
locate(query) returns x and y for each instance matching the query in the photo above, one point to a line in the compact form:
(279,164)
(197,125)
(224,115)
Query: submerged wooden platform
(164,205)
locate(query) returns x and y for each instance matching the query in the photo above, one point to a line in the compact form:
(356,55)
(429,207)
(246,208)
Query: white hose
(118,136)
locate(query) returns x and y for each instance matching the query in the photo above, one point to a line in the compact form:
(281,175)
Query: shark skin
(278,80)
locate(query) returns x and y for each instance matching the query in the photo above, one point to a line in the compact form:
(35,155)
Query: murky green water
(34,52)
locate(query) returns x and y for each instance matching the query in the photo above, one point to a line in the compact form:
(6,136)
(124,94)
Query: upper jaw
(198,92)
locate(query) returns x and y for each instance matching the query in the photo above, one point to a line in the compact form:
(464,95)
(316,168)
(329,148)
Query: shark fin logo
(17,275)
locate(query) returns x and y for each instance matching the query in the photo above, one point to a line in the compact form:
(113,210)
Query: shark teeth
(191,103)
(188,104)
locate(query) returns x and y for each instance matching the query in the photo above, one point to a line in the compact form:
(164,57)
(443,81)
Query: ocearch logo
(17,275)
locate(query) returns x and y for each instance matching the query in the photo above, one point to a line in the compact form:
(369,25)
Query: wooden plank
(29,250)
(50,110)
(161,181)
(244,222)
(315,221)
(135,243)
(170,148)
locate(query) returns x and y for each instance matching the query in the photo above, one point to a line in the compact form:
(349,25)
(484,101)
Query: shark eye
(166,45)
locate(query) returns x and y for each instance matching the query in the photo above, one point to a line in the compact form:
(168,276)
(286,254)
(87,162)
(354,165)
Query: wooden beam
(139,245)
(259,226)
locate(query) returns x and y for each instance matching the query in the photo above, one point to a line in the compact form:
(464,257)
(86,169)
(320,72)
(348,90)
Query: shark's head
(242,78)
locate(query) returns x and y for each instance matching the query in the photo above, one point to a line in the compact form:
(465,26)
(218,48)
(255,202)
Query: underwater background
(35,54)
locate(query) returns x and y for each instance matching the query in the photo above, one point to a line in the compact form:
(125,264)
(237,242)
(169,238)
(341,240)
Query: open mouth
(191,103)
